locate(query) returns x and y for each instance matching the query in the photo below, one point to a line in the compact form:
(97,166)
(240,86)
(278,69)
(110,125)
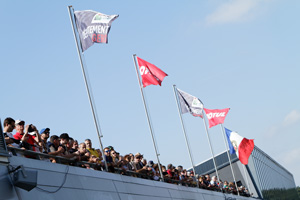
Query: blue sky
(238,54)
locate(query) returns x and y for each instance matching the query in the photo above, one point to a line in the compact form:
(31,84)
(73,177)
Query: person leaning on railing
(138,165)
(8,127)
(82,153)
(45,133)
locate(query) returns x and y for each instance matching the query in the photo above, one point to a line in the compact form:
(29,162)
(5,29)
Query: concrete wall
(90,184)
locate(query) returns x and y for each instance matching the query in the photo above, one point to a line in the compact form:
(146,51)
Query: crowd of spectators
(28,137)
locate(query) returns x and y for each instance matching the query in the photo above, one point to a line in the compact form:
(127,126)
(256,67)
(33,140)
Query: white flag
(189,103)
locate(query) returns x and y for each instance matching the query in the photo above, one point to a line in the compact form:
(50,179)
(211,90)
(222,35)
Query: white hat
(18,121)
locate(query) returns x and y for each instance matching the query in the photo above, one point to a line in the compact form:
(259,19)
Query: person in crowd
(110,148)
(144,161)
(54,147)
(225,185)
(122,165)
(74,147)
(107,156)
(131,156)
(232,188)
(114,157)
(45,133)
(207,180)
(164,170)
(193,177)
(201,182)
(118,155)
(220,185)
(64,140)
(126,162)
(70,145)
(26,135)
(82,152)
(108,159)
(213,183)
(183,176)
(179,168)
(169,171)
(93,151)
(188,178)
(138,165)
(157,172)
(175,174)
(8,127)
(97,163)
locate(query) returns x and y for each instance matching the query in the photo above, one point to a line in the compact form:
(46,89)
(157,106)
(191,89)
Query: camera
(30,128)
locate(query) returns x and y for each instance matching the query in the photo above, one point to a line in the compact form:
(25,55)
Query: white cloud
(292,118)
(233,11)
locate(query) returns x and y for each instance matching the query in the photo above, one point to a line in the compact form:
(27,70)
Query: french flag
(243,147)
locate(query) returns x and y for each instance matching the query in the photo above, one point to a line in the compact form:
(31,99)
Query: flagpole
(80,55)
(148,118)
(226,147)
(184,133)
(211,150)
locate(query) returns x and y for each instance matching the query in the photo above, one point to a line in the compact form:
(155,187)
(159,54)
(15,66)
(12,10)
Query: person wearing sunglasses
(108,159)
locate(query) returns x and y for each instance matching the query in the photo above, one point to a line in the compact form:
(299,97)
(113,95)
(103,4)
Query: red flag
(216,116)
(151,75)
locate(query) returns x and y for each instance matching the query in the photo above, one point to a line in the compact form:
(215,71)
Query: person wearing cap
(29,142)
(110,148)
(45,133)
(8,127)
(138,165)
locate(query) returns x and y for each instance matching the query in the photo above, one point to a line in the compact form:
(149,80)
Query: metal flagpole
(148,118)
(184,132)
(80,54)
(212,153)
(247,179)
(226,147)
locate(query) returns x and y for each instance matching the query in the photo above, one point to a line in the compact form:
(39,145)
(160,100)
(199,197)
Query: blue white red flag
(243,147)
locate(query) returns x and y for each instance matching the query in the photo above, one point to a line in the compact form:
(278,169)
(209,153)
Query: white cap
(18,121)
